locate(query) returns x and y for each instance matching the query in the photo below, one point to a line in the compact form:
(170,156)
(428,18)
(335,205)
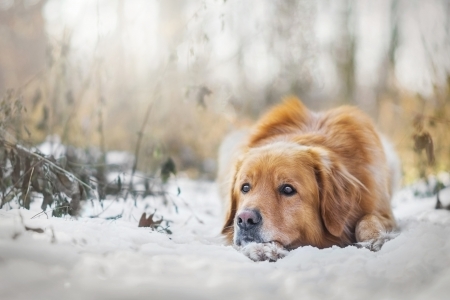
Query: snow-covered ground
(101,258)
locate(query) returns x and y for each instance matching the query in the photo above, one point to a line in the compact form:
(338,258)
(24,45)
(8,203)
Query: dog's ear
(287,117)
(231,202)
(338,191)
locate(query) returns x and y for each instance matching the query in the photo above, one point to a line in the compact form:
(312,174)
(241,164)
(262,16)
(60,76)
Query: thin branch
(40,213)
(45,212)
(105,209)
(188,206)
(29,184)
(138,145)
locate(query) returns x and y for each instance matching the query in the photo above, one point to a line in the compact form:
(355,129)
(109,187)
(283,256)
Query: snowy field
(101,258)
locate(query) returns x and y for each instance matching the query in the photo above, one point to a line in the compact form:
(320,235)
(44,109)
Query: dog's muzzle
(248,225)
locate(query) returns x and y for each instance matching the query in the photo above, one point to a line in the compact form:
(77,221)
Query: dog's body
(304,178)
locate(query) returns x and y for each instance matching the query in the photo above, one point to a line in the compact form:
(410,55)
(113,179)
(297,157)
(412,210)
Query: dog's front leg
(373,231)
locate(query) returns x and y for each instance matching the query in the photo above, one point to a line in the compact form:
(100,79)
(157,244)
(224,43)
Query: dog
(301,178)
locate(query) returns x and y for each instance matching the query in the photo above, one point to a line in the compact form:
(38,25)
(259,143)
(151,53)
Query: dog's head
(291,194)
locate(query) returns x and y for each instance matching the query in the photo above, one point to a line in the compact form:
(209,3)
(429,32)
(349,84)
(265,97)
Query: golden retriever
(304,178)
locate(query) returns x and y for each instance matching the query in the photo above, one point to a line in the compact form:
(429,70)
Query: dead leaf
(439,203)
(202,93)
(424,141)
(149,222)
(38,230)
(168,168)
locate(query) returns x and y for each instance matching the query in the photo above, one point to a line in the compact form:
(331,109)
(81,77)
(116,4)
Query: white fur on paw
(264,251)
(376,244)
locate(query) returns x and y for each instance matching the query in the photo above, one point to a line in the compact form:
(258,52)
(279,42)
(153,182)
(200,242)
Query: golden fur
(336,163)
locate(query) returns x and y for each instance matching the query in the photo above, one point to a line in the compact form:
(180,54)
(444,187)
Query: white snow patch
(95,258)
(120,158)
(52,146)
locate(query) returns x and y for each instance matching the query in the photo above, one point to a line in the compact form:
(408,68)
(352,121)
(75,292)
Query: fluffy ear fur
(228,228)
(287,117)
(338,191)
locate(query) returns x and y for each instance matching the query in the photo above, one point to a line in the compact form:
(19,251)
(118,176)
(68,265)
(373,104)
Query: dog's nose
(248,219)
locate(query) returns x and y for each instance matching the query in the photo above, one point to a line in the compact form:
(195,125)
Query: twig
(29,183)
(40,213)
(45,212)
(53,240)
(189,207)
(115,217)
(105,209)
(138,146)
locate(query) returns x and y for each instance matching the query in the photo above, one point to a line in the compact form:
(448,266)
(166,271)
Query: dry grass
(411,116)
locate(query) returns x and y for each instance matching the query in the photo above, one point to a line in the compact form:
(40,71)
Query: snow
(52,146)
(120,158)
(101,258)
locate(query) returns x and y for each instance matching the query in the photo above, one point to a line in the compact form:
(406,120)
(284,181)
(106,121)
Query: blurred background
(170,78)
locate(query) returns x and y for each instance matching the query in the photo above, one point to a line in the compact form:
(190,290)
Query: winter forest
(112,113)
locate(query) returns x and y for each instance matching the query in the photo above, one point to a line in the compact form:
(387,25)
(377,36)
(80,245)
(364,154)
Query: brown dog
(303,178)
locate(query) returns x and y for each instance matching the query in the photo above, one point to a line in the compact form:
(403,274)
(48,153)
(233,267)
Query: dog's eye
(287,190)
(245,188)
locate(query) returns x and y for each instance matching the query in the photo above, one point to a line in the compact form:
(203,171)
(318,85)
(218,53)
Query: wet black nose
(248,219)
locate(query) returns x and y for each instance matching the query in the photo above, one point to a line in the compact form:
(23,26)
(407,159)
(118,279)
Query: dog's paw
(264,251)
(376,244)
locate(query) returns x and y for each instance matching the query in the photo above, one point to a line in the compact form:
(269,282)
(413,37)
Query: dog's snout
(248,219)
